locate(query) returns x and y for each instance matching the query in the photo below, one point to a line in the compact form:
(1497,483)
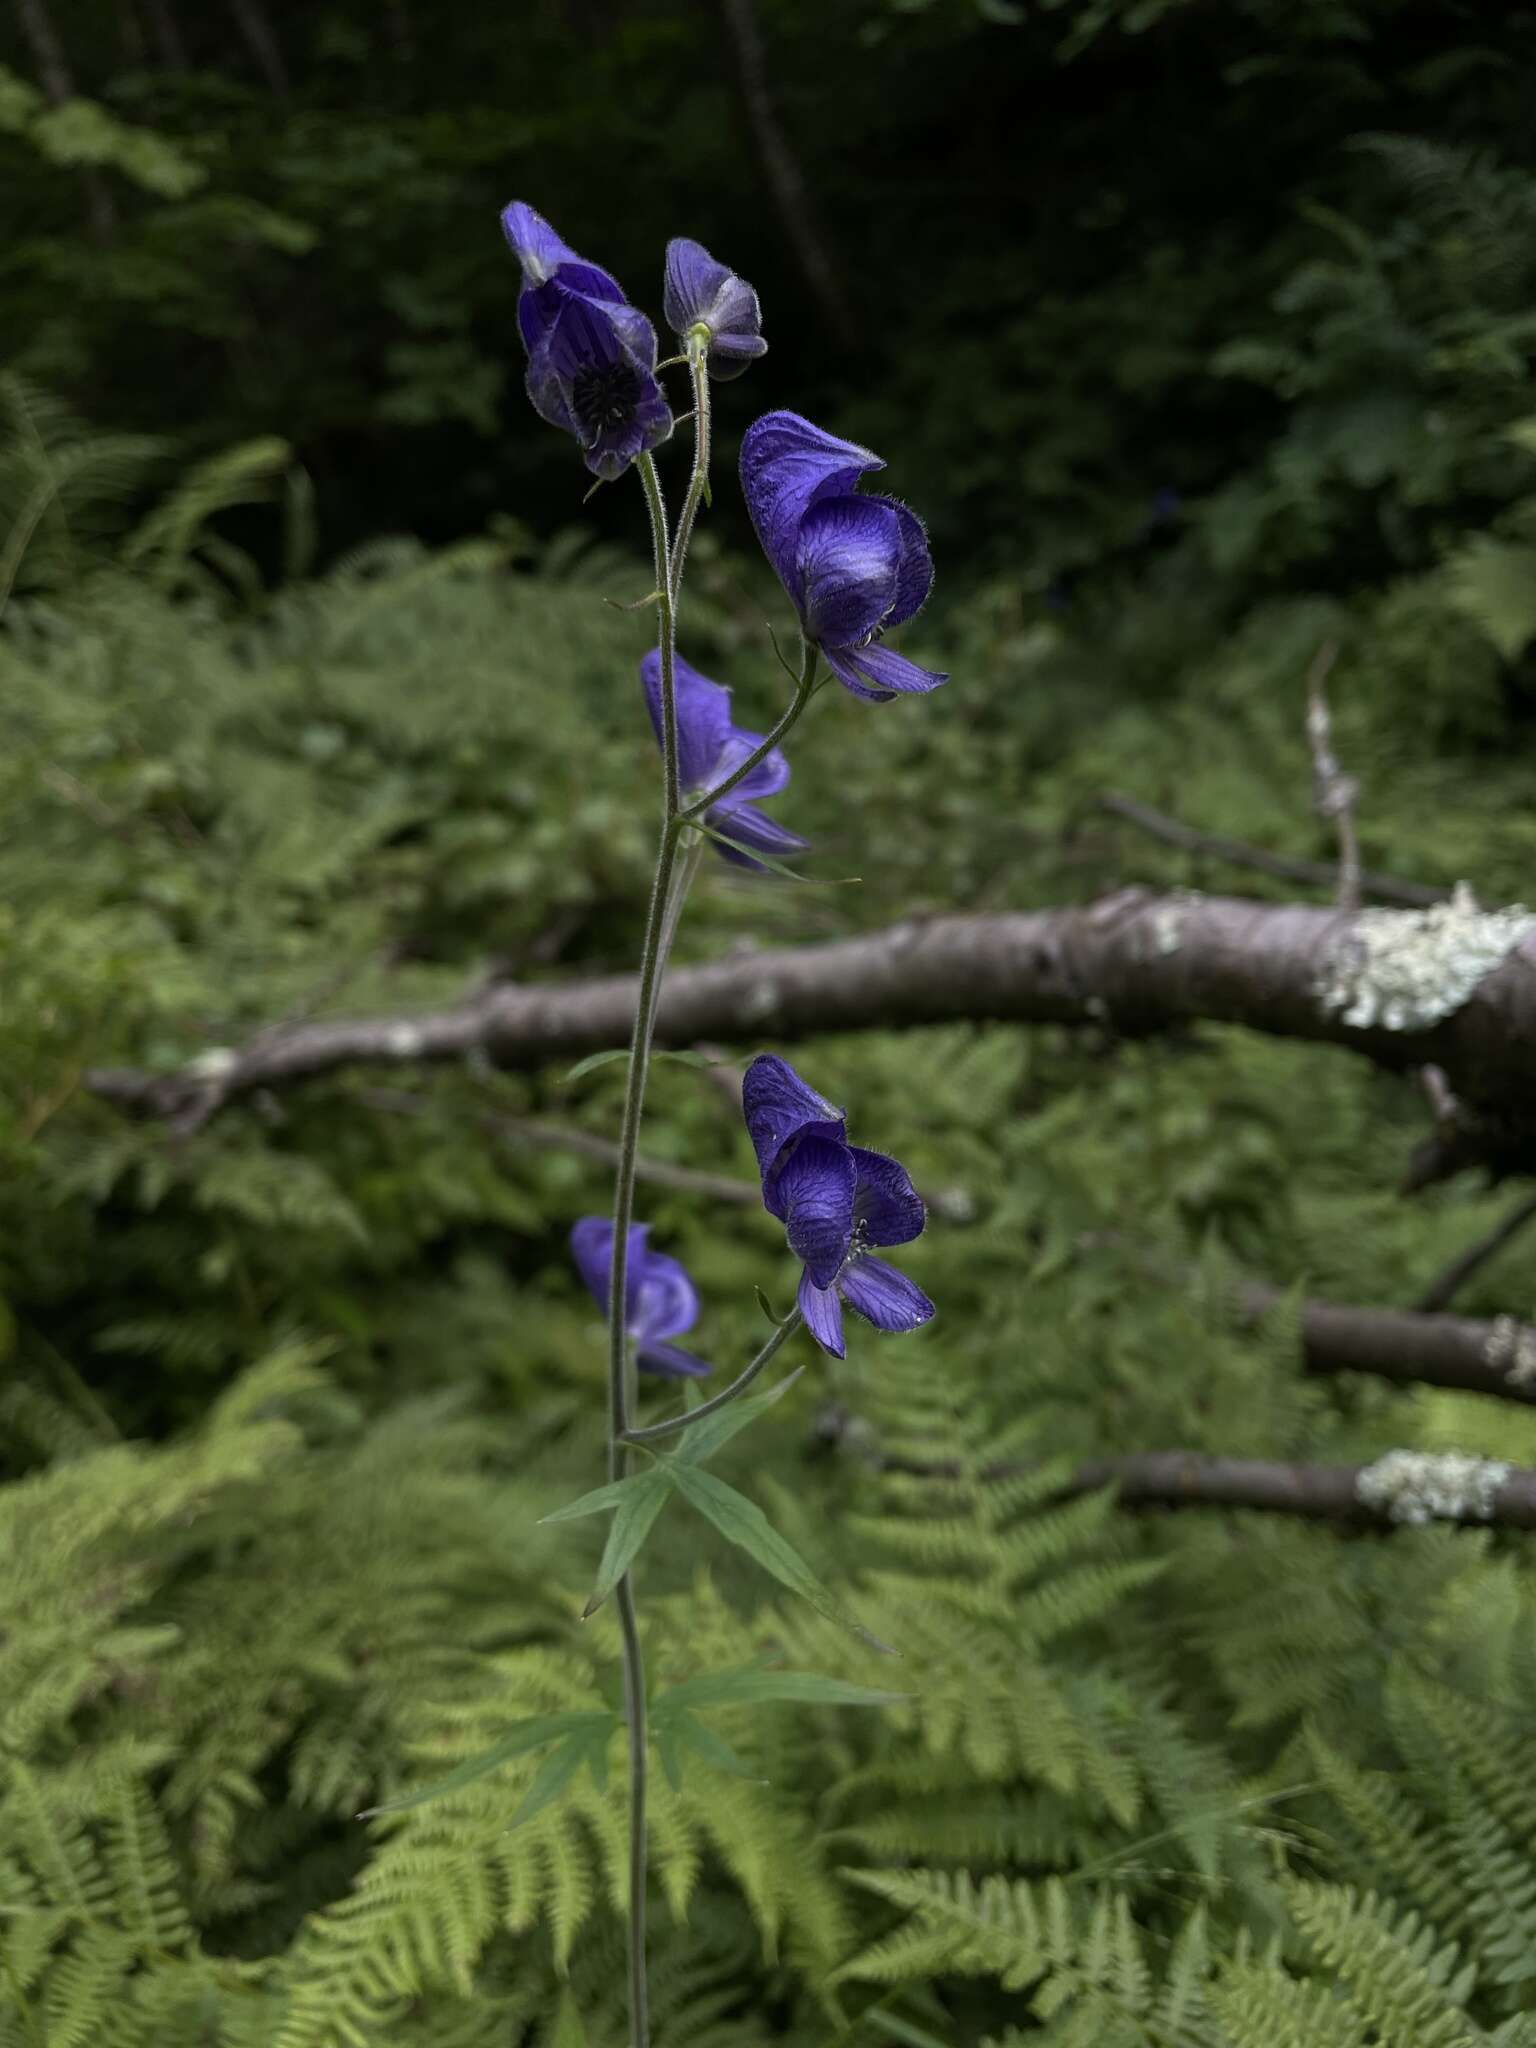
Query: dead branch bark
(1403,1487)
(1133,963)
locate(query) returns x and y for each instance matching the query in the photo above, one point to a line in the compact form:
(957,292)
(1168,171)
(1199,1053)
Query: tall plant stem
(668,888)
(698,483)
(619,1366)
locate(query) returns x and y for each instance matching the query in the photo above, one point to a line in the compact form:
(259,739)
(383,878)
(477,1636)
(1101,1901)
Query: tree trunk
(58,83)
(781,168)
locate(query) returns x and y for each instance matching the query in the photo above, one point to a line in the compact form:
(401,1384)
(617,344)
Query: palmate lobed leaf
(519,1741)
(741,1522)
(702,1439)
(643,1500)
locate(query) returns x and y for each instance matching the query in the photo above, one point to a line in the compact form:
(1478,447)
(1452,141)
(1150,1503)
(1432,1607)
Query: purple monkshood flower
(591,354)
(660,1301)
(700,292)
(708,748)
(853,566)
(835,1200)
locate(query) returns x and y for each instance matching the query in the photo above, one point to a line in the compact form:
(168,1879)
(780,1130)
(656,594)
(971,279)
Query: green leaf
(567,2031)
(703,1439)
(714,1749)
(598,1501)
(518,1741)
(742,1522)
(668,1748)
(643,1498)
(768,1309)
(594,1060)
(754,1685)
(775,867)
(555,1773)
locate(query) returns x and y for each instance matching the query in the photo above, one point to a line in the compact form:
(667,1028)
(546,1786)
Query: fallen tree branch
(1285,867)
(1494,1356)
(1411,1487)
(1471,1355)
(1450,986)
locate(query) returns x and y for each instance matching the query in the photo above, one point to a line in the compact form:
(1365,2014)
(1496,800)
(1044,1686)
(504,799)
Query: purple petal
(914,573)
(703,719)
(769,776)
(883,1296)
(750,828)
(592,1249)
(779,1108)
(886,1206)
(662,1300)
(541,253)
(787,465)
(673,1363)
(700,291)
(879,673)
(823,1312)
(546,393)
(611,451)
(813,1192)
(846,558)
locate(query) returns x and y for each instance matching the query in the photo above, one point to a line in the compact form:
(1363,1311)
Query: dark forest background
(1201,333)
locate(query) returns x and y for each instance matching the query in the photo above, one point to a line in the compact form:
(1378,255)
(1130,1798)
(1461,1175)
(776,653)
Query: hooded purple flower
(708,748)
(700,292)
(591,355)
(853,566)
(835,1200)
(660,1301)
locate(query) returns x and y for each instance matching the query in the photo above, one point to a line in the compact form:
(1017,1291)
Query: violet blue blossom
(853,566)
(591,355)
(660,1301)
(835,1201)
(708,748)
(699,292)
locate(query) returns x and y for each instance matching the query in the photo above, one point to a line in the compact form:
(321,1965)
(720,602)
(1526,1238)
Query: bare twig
(1443,1289)
(544,1135)
(1285,867)
(1333,792)
(1365,1496)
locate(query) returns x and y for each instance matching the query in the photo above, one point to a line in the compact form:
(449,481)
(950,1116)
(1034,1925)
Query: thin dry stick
(1285,867)
(1442,1290)
(1333,792)
(544,1135)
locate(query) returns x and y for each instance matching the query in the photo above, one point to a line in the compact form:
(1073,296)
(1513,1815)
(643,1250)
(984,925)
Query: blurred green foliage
(1204,338)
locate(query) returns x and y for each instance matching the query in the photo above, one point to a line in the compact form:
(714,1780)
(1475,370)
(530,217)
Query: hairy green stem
(804,691)
(739,1385)
(698,482)
(619,1363)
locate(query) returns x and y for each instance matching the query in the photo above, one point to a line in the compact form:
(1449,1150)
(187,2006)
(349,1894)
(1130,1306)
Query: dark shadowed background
(1201,333)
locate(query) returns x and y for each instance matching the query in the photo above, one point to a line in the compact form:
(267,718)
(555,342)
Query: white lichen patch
(1511,1349)
(216,1064)
(1431,1486)
(1405,970)
(1167,924)
(403,1041)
